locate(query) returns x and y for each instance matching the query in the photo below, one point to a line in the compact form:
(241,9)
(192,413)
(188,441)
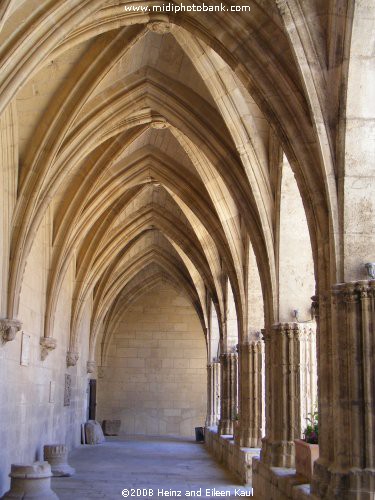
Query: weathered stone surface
(57,456)
(94,432)
(31,482)
(111,427)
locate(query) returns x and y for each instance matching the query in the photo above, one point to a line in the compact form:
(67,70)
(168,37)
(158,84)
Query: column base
(244,438)
(278,453)
(226,427)
(355,484)
(211,421)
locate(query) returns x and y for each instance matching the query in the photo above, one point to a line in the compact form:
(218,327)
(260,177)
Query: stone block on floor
(111,427)
(94,432)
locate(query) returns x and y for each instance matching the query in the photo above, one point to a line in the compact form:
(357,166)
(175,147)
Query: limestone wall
(155,378)
(32,411)
(296,267)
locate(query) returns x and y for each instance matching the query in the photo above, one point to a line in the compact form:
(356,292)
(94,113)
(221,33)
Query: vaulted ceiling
(155,141)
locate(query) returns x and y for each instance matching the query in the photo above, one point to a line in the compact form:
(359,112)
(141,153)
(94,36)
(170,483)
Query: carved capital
(288,329)
(91,365)
(47,345)
(9,329)
(364,290)
(250,346)
(353,291)
(71,358)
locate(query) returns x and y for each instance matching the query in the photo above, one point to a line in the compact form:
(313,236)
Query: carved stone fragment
(111,427)
(94,432)
(57,456)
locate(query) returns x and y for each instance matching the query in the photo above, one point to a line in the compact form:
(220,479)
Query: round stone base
(31,482)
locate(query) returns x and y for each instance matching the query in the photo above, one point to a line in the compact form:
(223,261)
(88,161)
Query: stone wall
(155,378)
(32,411)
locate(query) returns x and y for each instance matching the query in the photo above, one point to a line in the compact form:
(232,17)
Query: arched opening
(154,380)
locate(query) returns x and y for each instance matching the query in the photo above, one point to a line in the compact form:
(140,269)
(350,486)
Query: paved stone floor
(148,468)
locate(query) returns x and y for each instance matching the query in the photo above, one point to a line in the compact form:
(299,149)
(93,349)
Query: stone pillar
(346,467)
(57,456)
(213,394)
(249,431)
(31,481)
(228,410)
(283,394)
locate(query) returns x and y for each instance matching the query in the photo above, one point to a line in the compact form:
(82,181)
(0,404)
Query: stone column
(228,409)
(346,467)
(249,432)
(283,394)
(213,394)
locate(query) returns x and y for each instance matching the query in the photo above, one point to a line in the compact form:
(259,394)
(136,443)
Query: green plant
(311,432)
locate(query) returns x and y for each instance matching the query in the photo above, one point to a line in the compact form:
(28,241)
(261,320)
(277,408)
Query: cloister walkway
(155,465)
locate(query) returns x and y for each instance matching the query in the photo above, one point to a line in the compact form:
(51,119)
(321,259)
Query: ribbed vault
(155,144)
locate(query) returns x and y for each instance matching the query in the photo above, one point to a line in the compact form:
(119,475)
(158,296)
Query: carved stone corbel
(370,268)
(90,367)
(71,358)
(9,329)
(47,344)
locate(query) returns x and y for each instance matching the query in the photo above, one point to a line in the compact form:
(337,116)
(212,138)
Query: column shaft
(228,410)
(283,394)
(249,432)
(213,394)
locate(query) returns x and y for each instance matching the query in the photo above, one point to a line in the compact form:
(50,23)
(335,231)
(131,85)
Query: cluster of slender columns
(229,392)
(342,345)
(290,362)
(213,394)
(249,431)
(346,465)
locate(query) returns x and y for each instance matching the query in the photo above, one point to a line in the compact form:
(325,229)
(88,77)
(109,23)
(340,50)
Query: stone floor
(146,468)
